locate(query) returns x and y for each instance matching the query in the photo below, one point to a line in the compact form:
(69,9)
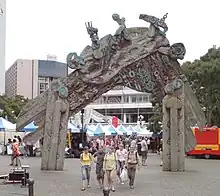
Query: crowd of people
(111,158)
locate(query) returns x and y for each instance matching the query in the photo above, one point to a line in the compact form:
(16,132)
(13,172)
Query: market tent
(30,127)
(145,133)
(138,129)
(90,130)
(130,130)
(110,130)
(73,128)
(5,125)
(99,130)
(121,130)
(92,127)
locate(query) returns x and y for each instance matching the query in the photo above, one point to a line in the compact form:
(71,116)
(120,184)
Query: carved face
(115,17)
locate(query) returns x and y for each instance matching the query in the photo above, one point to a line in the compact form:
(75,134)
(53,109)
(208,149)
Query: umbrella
(98,130)
(30,127)
(4,125)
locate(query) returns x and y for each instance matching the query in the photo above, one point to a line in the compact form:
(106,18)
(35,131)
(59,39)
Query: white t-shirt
(133,143)
(121,155)
(144,145)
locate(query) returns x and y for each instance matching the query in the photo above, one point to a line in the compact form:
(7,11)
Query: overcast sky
(36,28)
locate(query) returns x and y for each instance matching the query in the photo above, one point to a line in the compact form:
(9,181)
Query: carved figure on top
(155,25)
(93,32)
(74,61)
(122,31)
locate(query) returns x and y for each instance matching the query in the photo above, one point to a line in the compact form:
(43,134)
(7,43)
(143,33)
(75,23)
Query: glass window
(133,99)
(145,99)
(126,99)
(140,99)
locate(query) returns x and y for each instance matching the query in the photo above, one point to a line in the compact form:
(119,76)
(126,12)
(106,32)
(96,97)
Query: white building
(125,103)
(29,78)
(2,44)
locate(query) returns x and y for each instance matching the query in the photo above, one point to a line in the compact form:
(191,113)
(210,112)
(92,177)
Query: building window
(126,98)
(113,99)
(145,99)
(140,99)
(133,99)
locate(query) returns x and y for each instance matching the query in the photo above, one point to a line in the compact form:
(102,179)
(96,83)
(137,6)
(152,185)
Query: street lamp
(82,128)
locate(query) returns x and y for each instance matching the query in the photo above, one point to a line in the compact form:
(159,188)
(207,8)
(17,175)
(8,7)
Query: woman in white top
(121,156)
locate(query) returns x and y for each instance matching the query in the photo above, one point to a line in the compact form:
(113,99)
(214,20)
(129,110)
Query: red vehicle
(208,142)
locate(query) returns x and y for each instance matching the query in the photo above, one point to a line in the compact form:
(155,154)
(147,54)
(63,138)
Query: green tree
(204,78)
(11,107)
(156,119)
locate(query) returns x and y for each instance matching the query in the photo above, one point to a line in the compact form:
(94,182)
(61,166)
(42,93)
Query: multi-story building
(2,44)
(29,78)
(125,103)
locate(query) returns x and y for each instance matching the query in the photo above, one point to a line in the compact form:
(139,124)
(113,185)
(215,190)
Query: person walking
(109,167)
(99,166)
(144,151)
(15,152)
(132,164)
(121,155)
(86,162)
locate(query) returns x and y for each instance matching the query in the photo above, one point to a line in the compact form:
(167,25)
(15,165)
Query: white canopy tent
(145,133)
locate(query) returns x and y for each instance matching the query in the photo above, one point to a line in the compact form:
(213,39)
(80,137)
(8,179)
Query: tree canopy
(11,107)
(204,78)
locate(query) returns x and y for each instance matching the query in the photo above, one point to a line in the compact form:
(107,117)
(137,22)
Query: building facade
(125,103)
(2,44)
(29,78)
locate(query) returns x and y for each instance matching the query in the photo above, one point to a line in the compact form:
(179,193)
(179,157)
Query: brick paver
(201,178)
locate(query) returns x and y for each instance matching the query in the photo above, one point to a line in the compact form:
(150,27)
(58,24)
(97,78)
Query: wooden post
(173,134)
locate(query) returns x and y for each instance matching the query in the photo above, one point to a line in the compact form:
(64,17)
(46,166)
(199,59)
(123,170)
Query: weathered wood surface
(173,134)
(85,88)
(51,99)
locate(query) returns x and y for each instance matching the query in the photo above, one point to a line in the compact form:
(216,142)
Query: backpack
(136,155)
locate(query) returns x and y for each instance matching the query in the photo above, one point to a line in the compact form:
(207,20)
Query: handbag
(124,175)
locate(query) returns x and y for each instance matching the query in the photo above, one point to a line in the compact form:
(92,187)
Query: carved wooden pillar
(173,132)
(56,122)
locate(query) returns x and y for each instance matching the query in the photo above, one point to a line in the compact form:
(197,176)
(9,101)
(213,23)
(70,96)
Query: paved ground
(202,178)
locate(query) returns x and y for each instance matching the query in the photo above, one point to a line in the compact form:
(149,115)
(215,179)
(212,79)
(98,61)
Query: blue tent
(30,127)
(122,129)
(4,125)
(73,128)
(112,130)
(98,130)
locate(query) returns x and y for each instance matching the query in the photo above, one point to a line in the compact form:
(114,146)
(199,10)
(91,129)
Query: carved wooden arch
(142,62)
